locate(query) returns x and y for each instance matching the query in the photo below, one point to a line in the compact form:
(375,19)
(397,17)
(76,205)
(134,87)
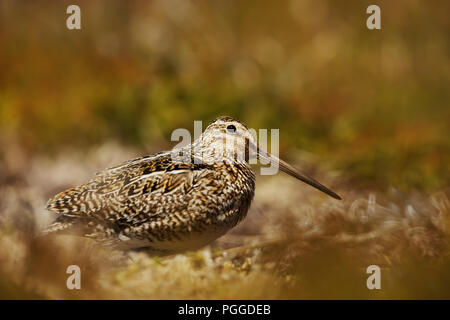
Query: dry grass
(295,243)
(372,103)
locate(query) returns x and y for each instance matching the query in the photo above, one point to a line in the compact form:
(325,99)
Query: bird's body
(168,202)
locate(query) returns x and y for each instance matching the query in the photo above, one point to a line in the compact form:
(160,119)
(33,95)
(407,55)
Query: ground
(295,243)
(367,108)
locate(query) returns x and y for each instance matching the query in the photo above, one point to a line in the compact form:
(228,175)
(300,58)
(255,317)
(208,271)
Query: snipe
(171,201)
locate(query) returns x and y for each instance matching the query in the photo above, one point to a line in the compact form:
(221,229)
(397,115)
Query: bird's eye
(231,128)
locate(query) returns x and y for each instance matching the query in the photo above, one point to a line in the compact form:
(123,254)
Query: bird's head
(229,140)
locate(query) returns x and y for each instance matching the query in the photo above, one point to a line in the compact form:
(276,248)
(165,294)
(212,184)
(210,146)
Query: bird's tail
(56,227)
(62,225)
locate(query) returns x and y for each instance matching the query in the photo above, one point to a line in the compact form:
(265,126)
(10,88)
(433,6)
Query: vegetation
(369,110)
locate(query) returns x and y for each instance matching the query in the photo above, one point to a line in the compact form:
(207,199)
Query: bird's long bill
(285,167)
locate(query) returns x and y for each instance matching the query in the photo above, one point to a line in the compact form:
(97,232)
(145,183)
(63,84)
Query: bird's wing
(134,191)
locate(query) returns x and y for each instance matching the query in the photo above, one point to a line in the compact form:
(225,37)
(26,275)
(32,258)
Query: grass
(368,109)
(294,244)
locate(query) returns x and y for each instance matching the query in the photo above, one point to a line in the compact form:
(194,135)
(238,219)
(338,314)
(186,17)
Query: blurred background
(369,107)
(374,104)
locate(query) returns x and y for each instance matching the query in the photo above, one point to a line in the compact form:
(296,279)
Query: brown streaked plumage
(171,201)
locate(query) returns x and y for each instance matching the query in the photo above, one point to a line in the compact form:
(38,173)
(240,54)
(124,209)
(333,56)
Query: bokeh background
(366,111)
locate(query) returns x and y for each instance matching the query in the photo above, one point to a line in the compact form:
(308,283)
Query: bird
(172,201)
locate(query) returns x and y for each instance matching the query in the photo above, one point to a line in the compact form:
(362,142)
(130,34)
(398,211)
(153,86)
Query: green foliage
(373,104)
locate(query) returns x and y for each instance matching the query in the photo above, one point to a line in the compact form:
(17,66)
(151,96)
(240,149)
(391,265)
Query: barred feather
(157,201)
